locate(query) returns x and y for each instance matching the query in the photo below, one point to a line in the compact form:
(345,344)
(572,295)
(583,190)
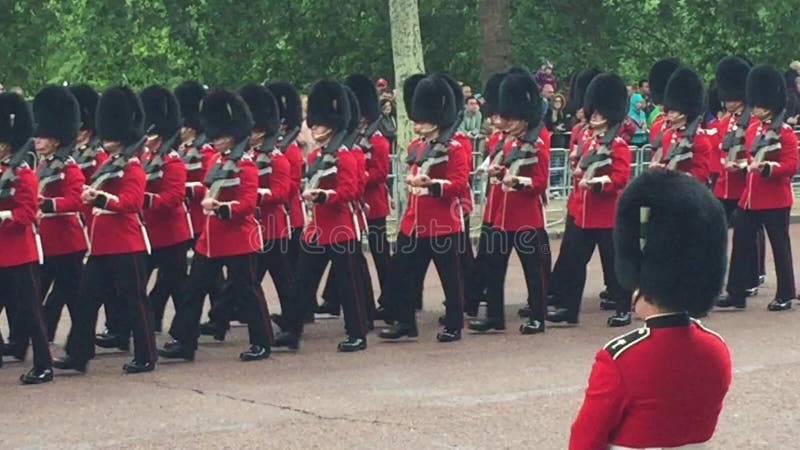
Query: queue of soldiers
(99,192)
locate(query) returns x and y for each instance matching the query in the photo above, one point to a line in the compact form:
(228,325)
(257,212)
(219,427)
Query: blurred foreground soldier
(432,224)
(64,238)
(767,197)
(231,237)
(685,146)
(662,385)
(21,255)
(119,242)
(518,222)
(604,169)
(331,235)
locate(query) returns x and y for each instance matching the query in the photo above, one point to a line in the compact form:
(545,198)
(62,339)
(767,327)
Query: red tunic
(730,185)
(60,227)
(165,203)
(521,208)
(376,194)
(240,234)
(437,211)
(466,195)
(775,190)
(296,212)
(195,174)
(658,125)
(597,209)
(658,386)
(117,228)
(16,232)
(274,188)
(580,133)
(332,221)
(361,169)
(698,165)
(493,194)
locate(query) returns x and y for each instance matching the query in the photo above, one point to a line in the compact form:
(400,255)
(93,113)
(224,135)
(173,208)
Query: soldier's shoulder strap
(619,345)
(705,329)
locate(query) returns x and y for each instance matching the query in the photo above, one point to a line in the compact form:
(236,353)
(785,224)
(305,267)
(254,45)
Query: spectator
(558,122)
(2,89)
(795,65)
(18,90)
(644,89)
(639,119)
(466,90)
(473,119)
(387,122)
(793,93)
(381,85)
(545,76)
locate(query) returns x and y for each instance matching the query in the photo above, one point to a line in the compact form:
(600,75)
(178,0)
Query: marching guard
(118,240)
(658,78)
(603,170)
(662,385)
(767,197)
(231,237)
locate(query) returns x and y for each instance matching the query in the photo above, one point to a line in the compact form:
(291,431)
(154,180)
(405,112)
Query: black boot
(69,363)
(16,351)
(108,339)
(561,315)
(484,325)
(619,320)
(327,308)
(780,304)
(608,305)
(138,367)
(255,353)
(729,301)
(752,292)
(215,329)
(448,335)
(352,344)
(399,330)
(525,311)
(37,376)
(604,295)
(177,350)
(287,339)
(532,327)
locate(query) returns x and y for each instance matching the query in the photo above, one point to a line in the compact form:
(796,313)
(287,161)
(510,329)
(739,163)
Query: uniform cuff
(435,190)
(48,205)
(101,201)
(321,197)
(225,211)
(148,200)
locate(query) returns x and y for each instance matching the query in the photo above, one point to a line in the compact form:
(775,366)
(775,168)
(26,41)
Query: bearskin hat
(685,93)
(366,94)
(189,94)
(408,93)
(289,104)
(608,95)
(223,113)
(458,94)
(57,114)
(16,121)
(355,109)
(491,93)
(434,102)
(766,88)
(731,77)
(713,102)
(161,109)
(87,102)
(520,99)
(677,257)
(659,77)
(578,90)
(327,105)
(263,107)
(120,116)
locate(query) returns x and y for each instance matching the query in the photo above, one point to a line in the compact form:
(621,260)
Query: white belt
(62,214)
(682,447)
(102,212)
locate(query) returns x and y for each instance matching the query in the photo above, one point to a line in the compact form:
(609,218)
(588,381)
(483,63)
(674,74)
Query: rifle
(363,139)
(153,168)
(193,159)
(85,156)
(325,163)
(287,138)
(733,143)
(682,150)
(436,151)
(52,170)
(115,168)
(222,175)
(263,159)
(600,157)
(525,155)
(9,177)
(770,142)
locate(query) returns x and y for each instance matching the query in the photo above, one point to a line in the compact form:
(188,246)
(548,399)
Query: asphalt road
(485,392)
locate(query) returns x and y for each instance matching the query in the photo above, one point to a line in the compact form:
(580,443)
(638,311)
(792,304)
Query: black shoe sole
(186,357)
(32,381)
(244,358)
(130,371)
(351,349)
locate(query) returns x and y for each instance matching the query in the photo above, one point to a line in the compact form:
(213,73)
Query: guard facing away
(518,222)
(662,385)
(658,78)
(22,252)
(604,170)
(231,237)
(767,197)
(685,146)
(118,240)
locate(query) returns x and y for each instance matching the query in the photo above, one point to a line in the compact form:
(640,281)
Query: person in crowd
(387,122)
(466,90)
(545,75)
(792,97)
(644,89)
(637,116)
(381,85)
(473,119)
(558,121)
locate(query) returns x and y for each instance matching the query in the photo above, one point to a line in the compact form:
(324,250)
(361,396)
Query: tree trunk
(408,60)
(494,16)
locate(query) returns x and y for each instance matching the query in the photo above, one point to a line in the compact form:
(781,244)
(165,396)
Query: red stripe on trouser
(458,275)
(357,298)
(260,300)
(143,311)
(37,305)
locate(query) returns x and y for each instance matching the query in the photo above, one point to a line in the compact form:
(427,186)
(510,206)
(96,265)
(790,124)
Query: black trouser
(577,255)
(476,281)
(757,260)
(63,273)
(532,250)
(125,274)
(23,293)
(746,225)
(559,276)
(170,280)
(467,254)
(243,277)
(293,249)
(379,248)
(409,264)
(272,259)
(349,285)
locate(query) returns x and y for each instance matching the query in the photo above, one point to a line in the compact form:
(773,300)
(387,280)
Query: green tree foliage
(227,42)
